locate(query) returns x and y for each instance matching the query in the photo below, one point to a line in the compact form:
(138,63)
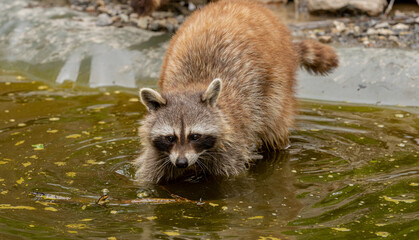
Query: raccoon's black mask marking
(162,144)
(203,143)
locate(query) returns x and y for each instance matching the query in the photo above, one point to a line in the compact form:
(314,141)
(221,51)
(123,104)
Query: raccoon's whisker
(203,166)
(164,165)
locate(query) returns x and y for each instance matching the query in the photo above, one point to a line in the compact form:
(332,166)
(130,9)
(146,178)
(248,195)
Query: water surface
(351,172)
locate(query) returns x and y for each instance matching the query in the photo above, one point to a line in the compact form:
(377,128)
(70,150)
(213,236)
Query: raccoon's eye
(170,138)
(194,137)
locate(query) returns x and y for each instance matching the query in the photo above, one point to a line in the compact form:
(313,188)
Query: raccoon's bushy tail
(316,57)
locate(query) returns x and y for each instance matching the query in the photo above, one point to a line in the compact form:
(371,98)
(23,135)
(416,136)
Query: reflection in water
(350,171)
(266,193)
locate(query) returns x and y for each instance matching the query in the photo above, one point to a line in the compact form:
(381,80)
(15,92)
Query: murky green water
(351,173)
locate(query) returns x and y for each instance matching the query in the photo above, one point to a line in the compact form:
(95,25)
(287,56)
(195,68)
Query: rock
(157,25)
(400,27)
(399,14)
(102,9)
(77,8)
(325,39)
(382,25)
(339,26)
(124,18)
(393,38)
(172,25)
(191,7)
(383,31)
(90,9)
(370,7)
(180,19)
(371,31)
(133,17)
(272,1)
(103,20)
(143,22)
(162,15)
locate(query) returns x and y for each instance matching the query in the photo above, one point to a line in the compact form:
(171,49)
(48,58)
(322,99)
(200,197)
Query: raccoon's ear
(213,91)
(151,99)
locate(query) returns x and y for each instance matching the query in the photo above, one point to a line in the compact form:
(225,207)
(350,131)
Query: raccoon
(226,91)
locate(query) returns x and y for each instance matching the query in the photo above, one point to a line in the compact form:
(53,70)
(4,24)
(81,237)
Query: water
(351,172)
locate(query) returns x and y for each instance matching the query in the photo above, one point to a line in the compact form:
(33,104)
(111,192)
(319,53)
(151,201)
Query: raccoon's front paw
(256,156)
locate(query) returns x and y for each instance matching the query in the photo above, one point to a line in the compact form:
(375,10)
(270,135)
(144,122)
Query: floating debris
(93,162)
(73,136)
(38,146)
(86,220)
(51,209)
(53,119)
(342,229)
(19,143)
(77,226)
(103,200)
(397,201)
(172,233)
(255,217)
(70,174)
(26,164)
(8,206)
(382,234)
(20,181)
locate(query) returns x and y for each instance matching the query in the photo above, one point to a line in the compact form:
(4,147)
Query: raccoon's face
(184,125)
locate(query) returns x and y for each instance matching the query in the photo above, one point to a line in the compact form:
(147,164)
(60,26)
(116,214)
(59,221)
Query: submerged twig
(105,200)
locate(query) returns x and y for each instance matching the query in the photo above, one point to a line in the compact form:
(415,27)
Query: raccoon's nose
(182,162)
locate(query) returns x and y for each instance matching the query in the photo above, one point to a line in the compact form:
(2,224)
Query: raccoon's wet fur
(226,90)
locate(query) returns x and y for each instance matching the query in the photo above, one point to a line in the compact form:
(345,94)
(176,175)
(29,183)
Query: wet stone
(143,22)
(104,20)
(157,25)
(124,17)
(161,15)
(325,39)
(400,26)
(382,25)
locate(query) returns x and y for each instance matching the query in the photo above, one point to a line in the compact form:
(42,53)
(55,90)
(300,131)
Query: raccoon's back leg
(280,108)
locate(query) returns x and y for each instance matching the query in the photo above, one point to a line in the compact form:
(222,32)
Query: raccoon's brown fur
(146,7)
(251,103)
